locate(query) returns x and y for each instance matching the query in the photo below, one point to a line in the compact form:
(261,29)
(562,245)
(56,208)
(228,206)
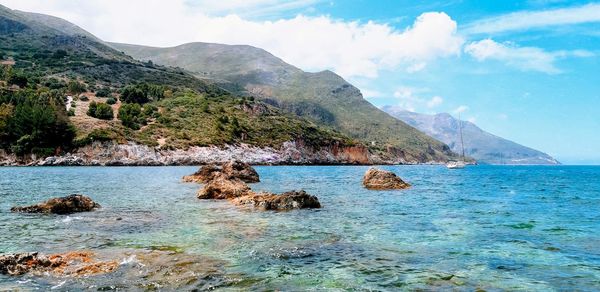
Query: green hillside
(323,97)
(44,60)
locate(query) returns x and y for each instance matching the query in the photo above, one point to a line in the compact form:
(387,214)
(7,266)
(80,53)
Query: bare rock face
(63,205)
(377,179)
(231,170)
(286,201)
(205,174)
(240,170)
(221,188)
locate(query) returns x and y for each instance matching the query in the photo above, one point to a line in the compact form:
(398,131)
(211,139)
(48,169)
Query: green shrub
(130,115)
(103,92)
(111,100)
(104,111)
(100,110)
(75,87)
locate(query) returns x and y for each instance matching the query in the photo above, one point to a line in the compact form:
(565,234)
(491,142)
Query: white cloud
(460,109)
(472,120)
(524,58)
(535,19)
(409,98)
(368,93)
(351,49)
(434,101)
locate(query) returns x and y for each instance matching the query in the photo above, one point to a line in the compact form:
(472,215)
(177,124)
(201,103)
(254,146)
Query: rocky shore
(131,154)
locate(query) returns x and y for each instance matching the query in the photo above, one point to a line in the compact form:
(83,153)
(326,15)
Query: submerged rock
(286,201)
(63,205)
(377,179)
(71,263)
(221,188)
(231,170)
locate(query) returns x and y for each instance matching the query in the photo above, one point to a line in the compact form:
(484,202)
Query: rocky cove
(132,154)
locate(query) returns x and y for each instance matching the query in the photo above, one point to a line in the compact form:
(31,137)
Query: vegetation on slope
(116,98)
(323,97)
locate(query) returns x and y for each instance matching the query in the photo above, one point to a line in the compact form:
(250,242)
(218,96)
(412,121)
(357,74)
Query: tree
(142,93)
(19,79)
(37,125)
(6,112)
(132,94)
(103,92)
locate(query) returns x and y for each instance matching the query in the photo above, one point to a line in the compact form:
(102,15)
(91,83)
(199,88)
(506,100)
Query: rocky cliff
(131,154)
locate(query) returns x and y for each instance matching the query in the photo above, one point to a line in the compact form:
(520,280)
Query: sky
(528,71)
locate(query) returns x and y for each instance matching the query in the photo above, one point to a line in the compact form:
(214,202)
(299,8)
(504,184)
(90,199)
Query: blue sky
(528,71)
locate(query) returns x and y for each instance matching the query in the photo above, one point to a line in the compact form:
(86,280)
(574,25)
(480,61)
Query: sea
(485,228)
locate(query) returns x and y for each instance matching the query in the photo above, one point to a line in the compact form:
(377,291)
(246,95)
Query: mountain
(484,147)
(63,90)
(323,97)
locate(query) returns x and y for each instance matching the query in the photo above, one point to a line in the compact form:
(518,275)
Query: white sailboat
(461,163)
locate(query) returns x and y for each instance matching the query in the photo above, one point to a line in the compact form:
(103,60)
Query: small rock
(222,188)
(71,263)
(286,201)
(205,174)
(376,179)
(240,170)
(21,263)
(63,205)
(231,170)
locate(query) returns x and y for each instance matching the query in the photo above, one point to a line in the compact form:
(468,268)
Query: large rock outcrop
(282,202)
(228,182)
(230,170)
(64,205)
(377,179)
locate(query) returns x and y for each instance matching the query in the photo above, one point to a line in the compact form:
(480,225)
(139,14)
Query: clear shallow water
(488,227)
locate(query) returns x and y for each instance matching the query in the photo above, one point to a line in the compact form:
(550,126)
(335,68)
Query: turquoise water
(487,227)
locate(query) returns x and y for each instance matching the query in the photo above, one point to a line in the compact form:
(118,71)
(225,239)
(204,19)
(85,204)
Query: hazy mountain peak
(481,145)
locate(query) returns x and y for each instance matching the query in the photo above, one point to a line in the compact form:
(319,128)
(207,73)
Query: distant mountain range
(484,147)
(323,97)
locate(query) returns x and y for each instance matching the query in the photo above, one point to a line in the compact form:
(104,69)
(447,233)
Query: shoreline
(132,154)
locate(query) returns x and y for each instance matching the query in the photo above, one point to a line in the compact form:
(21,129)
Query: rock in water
(221,188)
(205,174)
(71,263)
(64,205)
(21,263)
(231,170)
(286,201)
(240,170)
(377,179)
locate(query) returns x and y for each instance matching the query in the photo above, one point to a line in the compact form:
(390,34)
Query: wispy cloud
(535,19)
(524,58)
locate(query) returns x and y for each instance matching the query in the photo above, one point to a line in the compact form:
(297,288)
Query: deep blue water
(488,227)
